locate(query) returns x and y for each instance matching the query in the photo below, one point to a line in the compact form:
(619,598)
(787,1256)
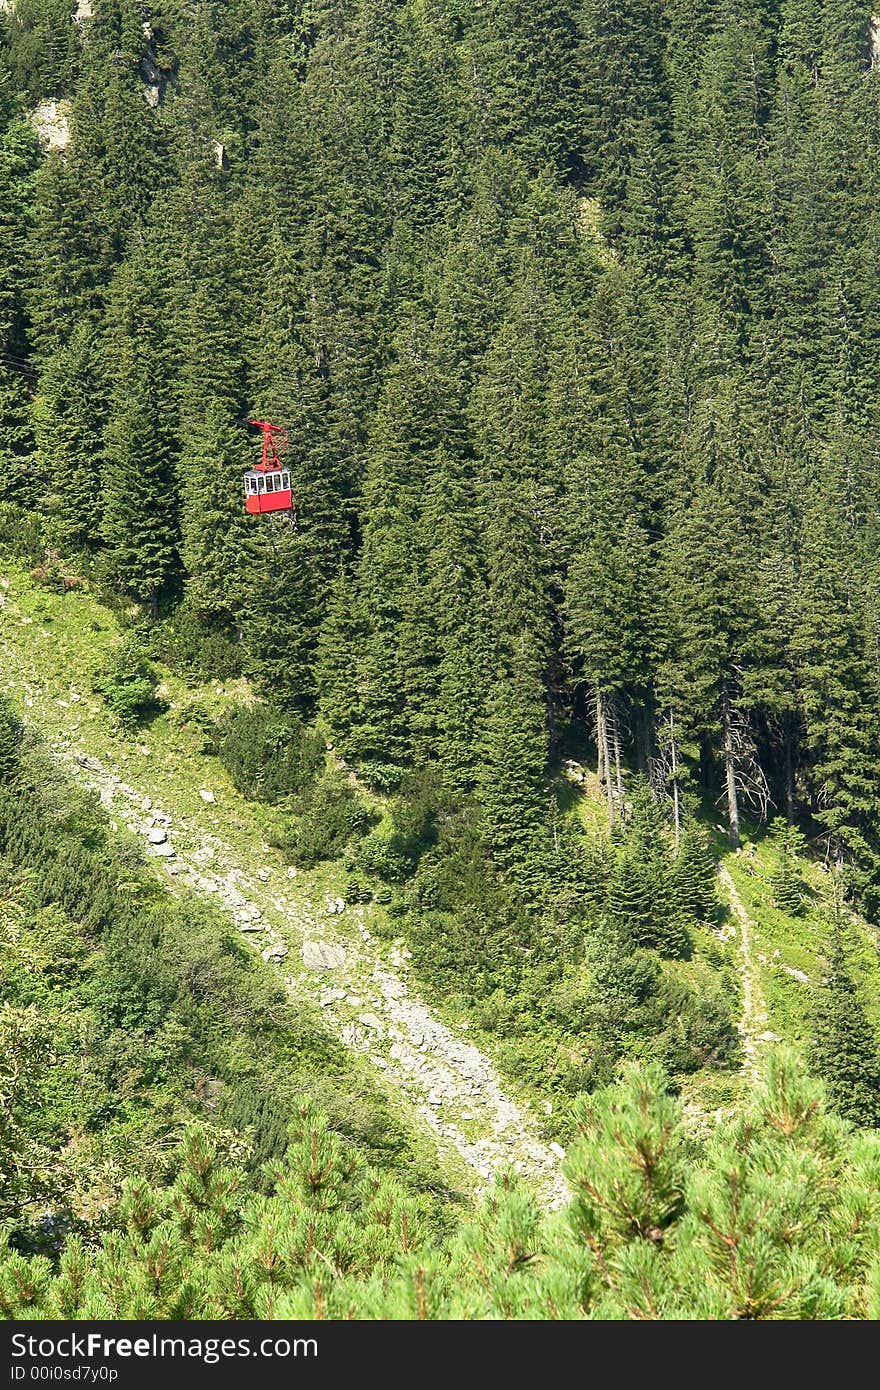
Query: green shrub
(192,646)
(21,532)
(700,1030)
(417,811)
(267,754)
(382,857)
(329,816)
(129,685)
(383,777)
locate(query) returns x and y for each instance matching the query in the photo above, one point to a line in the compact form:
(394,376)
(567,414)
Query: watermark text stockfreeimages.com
(98,1346)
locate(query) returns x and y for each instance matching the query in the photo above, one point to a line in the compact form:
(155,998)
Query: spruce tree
(786,882)
(139,524)
(455,601)
(839,714)
(694,873)
(511,782)
(528,81)
(16,439)
(18,159)
(845,1052)
(69,415)
(643,901)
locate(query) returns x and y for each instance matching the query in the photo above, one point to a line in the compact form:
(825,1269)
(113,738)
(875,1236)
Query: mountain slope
(157,784)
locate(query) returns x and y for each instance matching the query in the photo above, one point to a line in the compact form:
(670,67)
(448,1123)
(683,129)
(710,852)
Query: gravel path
(753,1021)
(367,1002)
(325,952)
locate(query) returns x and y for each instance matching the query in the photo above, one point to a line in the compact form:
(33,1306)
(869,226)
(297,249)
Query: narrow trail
(324,952)
(753,1021)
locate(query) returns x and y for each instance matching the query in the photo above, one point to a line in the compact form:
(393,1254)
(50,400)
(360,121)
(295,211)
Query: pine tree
(845,1051)
(139,525)
(69,414)
(512,775)
(786,882)
(643,901)
(528,81)
(694,873)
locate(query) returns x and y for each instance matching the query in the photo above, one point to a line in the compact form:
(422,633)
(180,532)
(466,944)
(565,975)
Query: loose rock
(319,955)
(371,1021)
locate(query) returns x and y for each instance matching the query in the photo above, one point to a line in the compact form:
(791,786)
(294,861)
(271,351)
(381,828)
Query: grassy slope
(51,647)
(67,638)
(787,949)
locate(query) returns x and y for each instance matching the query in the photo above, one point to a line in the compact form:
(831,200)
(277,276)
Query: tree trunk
(615,742)
(730,776)
(154,605)
(604,754)
(676,804)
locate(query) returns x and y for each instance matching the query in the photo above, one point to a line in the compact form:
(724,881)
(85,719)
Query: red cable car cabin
(267,485)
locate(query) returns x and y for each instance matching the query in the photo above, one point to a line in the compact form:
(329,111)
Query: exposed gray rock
(51,121)
(371,1021)
(157,835)
(320,955)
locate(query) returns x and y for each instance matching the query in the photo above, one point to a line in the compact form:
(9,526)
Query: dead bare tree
(612,734)
(664,772)
(744,778)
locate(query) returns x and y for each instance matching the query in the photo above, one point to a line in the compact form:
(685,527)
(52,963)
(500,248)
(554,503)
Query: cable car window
(285,481)
(270,483)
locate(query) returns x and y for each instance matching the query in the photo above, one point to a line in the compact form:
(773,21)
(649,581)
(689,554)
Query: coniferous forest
(563,673)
